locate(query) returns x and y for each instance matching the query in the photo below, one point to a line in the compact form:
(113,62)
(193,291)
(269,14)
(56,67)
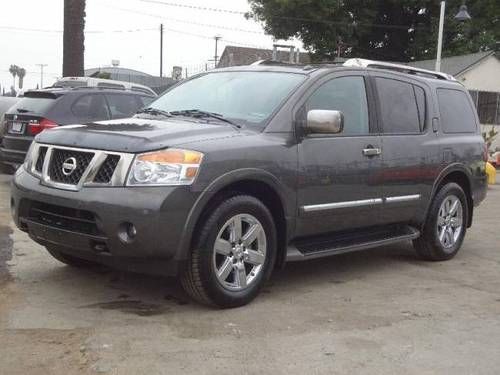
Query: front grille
(107,169)
(60,217)
(60,156)
(41,158)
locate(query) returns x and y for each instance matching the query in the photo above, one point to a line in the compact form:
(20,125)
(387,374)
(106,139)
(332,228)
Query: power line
(302,19)
(197,7)
(187,21)
(14,28)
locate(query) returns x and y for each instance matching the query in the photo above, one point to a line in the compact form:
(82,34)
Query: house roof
(236,56)
(454,65)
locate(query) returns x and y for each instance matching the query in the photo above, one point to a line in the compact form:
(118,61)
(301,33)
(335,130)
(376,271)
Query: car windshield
(243,97)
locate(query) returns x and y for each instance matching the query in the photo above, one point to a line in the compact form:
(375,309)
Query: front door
(337,186)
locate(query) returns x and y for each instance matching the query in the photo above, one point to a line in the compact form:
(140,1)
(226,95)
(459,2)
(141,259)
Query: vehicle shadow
(145,295)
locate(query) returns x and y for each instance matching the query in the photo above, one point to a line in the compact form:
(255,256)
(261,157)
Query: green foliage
(103,75)
(490,136)
(398,30)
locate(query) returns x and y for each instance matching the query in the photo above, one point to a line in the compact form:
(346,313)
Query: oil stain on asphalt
(131,307)
(5,251)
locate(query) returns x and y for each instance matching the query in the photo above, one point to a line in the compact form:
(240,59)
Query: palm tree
(13,70)
(21,73)
(73,38)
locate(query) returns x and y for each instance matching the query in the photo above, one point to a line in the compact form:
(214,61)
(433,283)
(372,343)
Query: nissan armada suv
(236,171)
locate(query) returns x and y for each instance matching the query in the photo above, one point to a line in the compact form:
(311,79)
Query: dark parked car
(39,110)
(234,172)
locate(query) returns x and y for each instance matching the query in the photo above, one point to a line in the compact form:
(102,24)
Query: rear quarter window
(457,114)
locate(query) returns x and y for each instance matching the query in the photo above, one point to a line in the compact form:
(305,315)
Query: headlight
(166,167)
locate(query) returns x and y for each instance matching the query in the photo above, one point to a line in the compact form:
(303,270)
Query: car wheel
(69,260)
(446,224)
(234,254)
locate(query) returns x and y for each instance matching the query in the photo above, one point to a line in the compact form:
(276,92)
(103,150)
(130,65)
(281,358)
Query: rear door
(410,147)
(336,188)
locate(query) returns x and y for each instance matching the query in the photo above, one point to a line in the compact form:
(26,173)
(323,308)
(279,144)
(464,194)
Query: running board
(339,243)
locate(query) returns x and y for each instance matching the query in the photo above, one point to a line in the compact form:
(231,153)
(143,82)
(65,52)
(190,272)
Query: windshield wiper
(154,112)
(22,110)
(198,113)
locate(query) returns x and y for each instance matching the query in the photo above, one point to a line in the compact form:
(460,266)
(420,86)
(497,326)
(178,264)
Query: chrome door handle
(372,151)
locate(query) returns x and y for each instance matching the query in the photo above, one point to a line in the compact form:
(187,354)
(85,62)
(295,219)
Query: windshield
(244,97)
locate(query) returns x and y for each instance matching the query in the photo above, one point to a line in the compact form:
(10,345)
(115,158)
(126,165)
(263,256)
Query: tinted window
(32,106)
(398,107)
(91,107)
(348,95)
(456,112)
(122,106)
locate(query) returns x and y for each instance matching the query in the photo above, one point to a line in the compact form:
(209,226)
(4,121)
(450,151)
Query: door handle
(371,151)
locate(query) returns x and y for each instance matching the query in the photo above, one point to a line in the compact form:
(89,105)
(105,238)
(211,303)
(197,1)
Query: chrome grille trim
(87,179)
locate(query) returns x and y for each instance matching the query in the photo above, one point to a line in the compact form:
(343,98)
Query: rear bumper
(12,157)
(91,223)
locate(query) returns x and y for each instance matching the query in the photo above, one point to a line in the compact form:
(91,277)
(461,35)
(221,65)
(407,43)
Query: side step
(338,243)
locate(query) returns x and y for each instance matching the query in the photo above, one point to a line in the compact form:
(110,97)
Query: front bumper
(91,223)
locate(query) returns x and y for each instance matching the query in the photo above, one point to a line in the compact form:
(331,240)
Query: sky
(125,30)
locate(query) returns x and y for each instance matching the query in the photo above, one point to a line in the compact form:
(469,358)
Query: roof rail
(362,63)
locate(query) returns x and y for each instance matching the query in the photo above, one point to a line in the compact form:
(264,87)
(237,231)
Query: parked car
(236,171)
(103,83)
(39,110)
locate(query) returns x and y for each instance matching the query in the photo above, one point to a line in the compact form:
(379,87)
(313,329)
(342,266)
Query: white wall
(484,76)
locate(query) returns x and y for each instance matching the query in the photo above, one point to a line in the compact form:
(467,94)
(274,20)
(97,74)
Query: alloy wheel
(239,252)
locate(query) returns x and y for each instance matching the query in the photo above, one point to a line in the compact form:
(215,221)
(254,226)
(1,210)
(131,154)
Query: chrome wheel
(450,221)
(239,252)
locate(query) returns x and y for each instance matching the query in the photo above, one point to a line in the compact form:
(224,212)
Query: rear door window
(90,107)
(399,112)
(122,105)
(456,111)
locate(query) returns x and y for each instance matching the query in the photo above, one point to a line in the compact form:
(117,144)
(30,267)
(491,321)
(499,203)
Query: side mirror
(324,122)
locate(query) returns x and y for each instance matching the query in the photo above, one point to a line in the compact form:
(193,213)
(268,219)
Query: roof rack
(362,63)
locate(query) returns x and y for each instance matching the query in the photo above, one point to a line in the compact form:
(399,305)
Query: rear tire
(446,225)
(70,260)
(234,254)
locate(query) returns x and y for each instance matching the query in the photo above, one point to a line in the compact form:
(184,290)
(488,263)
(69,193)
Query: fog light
(127,232)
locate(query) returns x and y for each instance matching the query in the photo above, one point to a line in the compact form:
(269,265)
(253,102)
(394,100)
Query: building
(158,84)
(237,56)
(480,74)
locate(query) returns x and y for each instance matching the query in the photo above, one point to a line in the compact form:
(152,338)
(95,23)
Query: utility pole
(161,50)
(41,73)
(217,38)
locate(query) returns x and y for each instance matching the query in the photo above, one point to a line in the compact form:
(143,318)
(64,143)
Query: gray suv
(234,172)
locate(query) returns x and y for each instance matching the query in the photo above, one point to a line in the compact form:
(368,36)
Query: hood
(135,134)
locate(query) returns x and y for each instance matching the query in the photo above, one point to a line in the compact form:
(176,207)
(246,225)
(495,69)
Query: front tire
(234,254)
(446,224)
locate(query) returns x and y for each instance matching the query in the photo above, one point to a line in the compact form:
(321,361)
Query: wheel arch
(254,182)
(462,177)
